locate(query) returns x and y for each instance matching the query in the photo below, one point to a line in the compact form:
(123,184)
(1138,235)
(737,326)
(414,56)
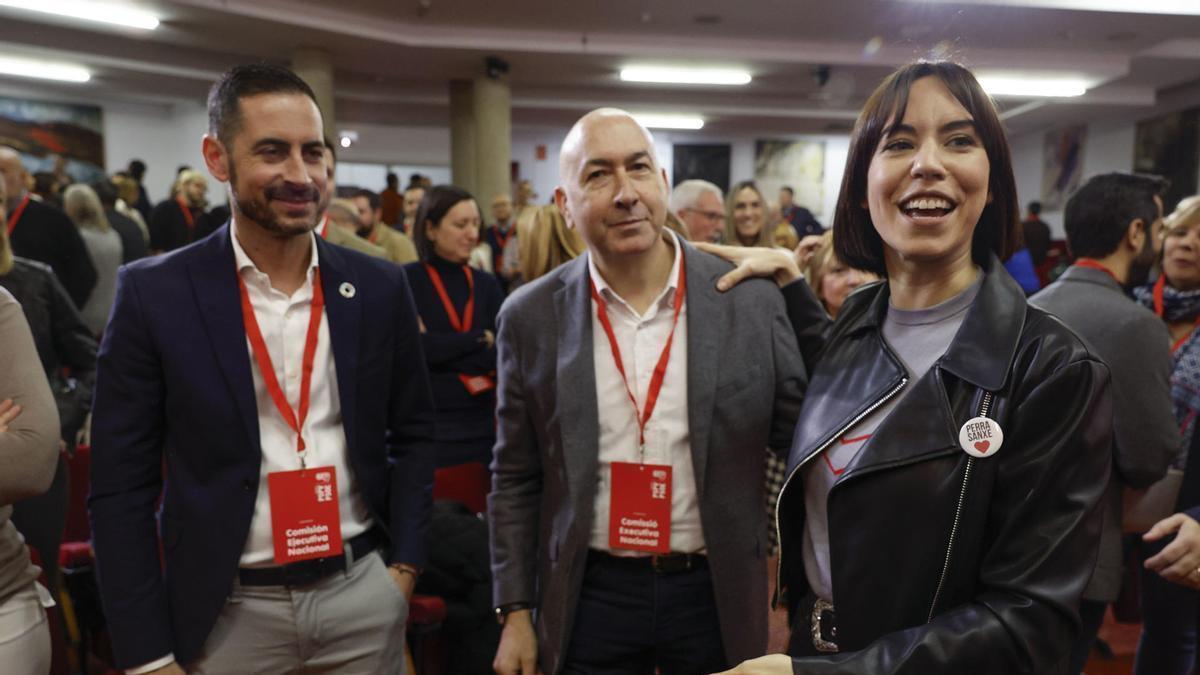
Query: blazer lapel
(214,283)
(575,387)
(705,324)
(344,314)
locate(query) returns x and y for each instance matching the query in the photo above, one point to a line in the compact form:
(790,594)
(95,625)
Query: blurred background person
(458,307)
(701,206)
(830,278)
(133,241)
(137,171)
(397,245)
(179,220)
(501,233)
(391,202)
(1036,233)
(127,196)
(104,245)
(413,194)
(1170,602)
(802,220)
(341,228)
(746,217)
(546,242)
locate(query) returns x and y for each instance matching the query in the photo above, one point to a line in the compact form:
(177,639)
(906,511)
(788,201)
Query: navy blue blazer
(175,408)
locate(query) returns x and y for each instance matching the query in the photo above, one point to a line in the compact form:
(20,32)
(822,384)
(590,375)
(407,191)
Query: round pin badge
(981,437)
(347,289)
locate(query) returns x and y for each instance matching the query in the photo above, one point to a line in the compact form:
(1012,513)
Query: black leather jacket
(943,563)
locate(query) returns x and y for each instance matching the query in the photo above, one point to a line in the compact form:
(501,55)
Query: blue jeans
(630,621)
(1169,620)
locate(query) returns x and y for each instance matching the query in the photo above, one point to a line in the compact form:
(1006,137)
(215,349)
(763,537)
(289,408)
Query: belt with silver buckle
(821,622)
(663,564)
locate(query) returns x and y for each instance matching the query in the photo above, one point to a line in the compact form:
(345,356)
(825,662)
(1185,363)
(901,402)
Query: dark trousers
(630,621)
(1091,616)
(1169,619)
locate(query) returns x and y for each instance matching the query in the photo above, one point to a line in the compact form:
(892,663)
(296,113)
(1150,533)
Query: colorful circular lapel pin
(347,289)
(981,437)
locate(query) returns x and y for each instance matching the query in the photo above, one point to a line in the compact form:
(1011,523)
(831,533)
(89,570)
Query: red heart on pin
(982,446)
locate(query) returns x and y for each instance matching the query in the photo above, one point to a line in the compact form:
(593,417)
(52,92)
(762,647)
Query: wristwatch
(503,611)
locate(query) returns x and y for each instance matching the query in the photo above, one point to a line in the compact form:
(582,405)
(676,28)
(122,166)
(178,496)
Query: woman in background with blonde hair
(830,278)
(746,217)
(104,245)
(546,242)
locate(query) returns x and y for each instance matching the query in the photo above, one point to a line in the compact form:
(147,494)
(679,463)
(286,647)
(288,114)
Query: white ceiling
(394,58)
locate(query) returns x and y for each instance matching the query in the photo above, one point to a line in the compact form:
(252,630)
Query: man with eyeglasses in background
(701,206)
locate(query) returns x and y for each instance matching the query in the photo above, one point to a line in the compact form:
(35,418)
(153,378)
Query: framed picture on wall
(43,131)
(1169,146)
(799,165)
(1062,165)
(708,162)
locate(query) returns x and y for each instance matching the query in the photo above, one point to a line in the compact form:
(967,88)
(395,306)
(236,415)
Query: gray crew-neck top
(918,337)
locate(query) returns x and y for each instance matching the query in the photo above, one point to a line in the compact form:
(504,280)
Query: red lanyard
(1159,287)
(267,369)
(374,234)
(502,241)
(459,325)
(323,228)
(187,212)
(1093,265)
(660,369)
(16,214)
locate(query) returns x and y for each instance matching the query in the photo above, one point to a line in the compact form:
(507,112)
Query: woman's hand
(772,664)
(8,412)
(754,262)
(1179,562)
(488,338)
(807,247)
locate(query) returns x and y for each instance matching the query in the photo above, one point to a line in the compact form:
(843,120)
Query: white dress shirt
(668,440)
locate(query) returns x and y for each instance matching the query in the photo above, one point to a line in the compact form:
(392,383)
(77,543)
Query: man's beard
(258,209)
(1139,269)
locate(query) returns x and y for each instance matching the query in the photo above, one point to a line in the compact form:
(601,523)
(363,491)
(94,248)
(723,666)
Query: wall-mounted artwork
(1062,165)
(43,130)
(708,162)
(799,165)
(1169,146)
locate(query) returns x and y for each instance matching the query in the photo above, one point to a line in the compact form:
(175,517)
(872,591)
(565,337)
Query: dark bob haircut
(224,109)
(855,239)
(434,206)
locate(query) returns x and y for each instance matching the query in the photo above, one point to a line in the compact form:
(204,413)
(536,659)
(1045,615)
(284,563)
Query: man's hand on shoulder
(517,654)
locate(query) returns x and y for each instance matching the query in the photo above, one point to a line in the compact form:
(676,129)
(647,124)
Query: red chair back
(466,483)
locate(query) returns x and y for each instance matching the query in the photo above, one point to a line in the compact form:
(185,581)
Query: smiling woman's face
(927,184)
(1181,257)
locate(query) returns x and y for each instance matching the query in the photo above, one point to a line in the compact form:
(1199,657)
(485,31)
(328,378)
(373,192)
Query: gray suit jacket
(745,383)
(1136,346)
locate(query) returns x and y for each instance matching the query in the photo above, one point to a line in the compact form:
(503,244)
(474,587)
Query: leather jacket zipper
(858,418)
(984,407)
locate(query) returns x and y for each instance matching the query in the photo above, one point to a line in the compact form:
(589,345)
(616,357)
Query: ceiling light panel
(1177,7)
(85,10)
(43,70)
(668,75)
(654,121)
(1033,87)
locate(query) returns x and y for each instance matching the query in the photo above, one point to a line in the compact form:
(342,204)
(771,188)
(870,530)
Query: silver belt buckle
(822,645)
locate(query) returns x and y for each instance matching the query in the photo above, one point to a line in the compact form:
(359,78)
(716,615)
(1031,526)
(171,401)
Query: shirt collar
(603,288)
(245,263)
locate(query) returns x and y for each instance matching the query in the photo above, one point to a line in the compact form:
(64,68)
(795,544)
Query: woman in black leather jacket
(939,514)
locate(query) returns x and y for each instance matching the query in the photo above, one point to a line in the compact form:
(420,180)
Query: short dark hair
(392,179)
(371,197)
(1098,214)
(224,98)
(1035,207)
(855,239)
(107,192)
(436,203)
(789,190)
(137,168)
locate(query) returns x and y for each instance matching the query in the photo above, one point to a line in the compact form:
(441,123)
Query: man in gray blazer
(632,394)
(1114,225)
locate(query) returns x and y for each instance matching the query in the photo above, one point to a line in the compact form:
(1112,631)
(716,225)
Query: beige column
(493,139)
(463,151)
(314,67)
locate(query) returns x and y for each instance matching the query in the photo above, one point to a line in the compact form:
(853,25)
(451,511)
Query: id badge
(477,384)
(305,523)
(640,507)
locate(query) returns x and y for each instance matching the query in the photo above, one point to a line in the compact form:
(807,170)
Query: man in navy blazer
(187,406)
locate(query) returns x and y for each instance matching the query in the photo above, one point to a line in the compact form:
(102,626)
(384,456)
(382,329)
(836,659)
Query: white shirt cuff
(152,666)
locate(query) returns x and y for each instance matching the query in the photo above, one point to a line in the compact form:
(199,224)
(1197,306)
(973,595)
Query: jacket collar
(984,346)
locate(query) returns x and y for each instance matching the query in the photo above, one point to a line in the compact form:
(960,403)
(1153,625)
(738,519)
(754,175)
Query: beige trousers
(350,623)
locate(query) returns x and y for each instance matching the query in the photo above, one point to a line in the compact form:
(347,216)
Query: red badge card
(477,384)
(640,509)
(304,514)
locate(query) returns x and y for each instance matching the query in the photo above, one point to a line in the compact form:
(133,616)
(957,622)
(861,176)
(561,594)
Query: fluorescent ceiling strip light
(665,75)
(1178,7)
(1032,87)
(669,121)
(42,70)
(99,12)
